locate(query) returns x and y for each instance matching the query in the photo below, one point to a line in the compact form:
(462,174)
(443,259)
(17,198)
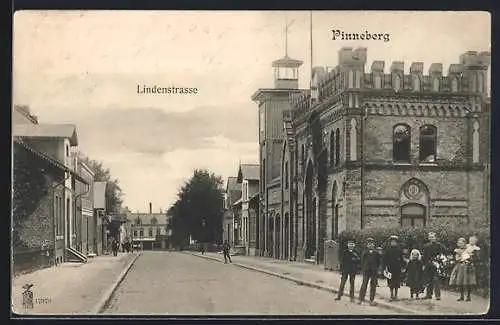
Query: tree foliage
(114,193)
(198,210)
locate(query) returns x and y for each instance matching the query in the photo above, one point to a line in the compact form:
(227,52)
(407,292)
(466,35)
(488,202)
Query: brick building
(373,149)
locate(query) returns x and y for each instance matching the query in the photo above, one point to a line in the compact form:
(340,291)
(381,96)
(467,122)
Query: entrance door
(413,215)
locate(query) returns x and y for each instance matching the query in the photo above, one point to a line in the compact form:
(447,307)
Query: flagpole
(311,47)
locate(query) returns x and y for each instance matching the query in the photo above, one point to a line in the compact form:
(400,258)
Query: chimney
(150,208)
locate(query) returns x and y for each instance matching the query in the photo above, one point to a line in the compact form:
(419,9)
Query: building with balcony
(149,230)
(374,149)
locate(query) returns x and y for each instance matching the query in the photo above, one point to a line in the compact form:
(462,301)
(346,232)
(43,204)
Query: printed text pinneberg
(340,35)
(170,90)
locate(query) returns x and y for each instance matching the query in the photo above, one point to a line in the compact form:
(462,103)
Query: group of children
(421,271)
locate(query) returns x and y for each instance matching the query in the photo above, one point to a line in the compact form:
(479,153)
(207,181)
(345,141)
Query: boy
(349,261)
(370,263)
(226,249)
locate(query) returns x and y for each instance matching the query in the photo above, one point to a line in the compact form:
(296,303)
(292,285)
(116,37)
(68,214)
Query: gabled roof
(232,184)
(67,131)
(249,172)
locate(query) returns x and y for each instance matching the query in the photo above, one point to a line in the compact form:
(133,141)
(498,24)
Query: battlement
(350,56)
(475,59)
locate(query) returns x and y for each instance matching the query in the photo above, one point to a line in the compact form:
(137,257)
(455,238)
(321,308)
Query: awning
(50,160)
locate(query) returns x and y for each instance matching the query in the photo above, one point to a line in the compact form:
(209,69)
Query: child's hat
(394,237)
(370,240)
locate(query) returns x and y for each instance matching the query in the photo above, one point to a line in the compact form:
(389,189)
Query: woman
(393,263)
(463,274)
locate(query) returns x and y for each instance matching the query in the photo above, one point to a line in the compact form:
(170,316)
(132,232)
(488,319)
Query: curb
(103,302)
(382,304)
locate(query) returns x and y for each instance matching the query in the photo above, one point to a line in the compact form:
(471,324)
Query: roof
(50,160)
(287,62)
(67,131)
(249,172)
(238,202)
(232,184)
(147,218)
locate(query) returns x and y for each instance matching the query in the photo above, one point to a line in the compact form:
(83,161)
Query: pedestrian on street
(370,262)
(393,263)
(349,262)
(431,251)
(415,273)
(115,246)
(226,252)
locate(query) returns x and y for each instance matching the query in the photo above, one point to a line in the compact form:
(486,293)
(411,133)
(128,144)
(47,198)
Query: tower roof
(287,62)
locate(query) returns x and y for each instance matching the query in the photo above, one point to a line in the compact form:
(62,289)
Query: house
(100,218)
(367,149)
(231,195)
(245,217)
(149,230)
(84,211)
(58,142)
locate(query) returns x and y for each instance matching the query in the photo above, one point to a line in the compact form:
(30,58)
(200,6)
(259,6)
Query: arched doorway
(310,207)
(413,215)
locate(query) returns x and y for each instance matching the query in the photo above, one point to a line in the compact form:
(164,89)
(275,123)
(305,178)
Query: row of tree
(197,212)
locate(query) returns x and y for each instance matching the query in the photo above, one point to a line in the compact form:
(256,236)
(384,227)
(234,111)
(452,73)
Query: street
(167,283)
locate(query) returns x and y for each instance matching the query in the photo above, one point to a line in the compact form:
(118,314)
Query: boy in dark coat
(370,262)
(349,261)
(226,249)
(431,250)
(394,262)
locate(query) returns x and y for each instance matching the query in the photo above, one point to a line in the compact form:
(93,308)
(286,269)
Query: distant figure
(202,248)
(226,251)
(115,245)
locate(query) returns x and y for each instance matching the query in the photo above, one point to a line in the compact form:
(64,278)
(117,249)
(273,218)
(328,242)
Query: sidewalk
(70,288)
(317,276)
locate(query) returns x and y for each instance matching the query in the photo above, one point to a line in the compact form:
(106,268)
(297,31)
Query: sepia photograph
(250,163)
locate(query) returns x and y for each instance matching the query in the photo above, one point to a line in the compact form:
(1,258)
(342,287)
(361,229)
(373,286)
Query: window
(286,175)
(416,83)
(67,151)
(413,215)
(138,221)
(68,214)
(335,212)
(263,175)
(353,140)
(154,221)
(427,143)
(397,82)
(141,233)
(358,79)
(245,191)
(303,156)
(135,233)
(158,231)
(454,85)
(337,147)
(475,142)
(435,84)
(401,143)
(150,232)
(378,82)
(332,148)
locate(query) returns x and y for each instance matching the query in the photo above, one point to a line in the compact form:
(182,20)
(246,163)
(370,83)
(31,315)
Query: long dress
(415,274)
(394,261)
(464,271)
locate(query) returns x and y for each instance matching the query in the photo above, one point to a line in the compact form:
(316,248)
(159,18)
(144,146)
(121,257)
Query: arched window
(454,85)
(351,79)
(401,143)
(353,136)
(303,156)
(428,143)
(150,232)
(335,212)
(358,79)
(337,147)
(332,148)
(416,83)
(413,215)
(158,231)
(435,84)
(475,142)
(397,82)
(377,82)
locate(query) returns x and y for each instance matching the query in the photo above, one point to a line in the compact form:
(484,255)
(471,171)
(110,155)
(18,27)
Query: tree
(198,209)
(113,191)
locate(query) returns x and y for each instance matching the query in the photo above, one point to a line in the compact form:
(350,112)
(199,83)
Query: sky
(83,68)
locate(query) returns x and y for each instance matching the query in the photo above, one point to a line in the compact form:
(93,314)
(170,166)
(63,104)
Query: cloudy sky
(84,68)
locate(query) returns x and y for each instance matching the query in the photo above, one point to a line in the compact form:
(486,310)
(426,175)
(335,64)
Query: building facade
(231,195)
(373,149)
(149,230)
(248,179)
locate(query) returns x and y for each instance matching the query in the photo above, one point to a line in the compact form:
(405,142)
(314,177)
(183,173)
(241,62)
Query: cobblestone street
(174,283)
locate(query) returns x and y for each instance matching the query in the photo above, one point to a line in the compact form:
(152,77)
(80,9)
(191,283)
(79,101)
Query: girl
(463,274)
(415,273)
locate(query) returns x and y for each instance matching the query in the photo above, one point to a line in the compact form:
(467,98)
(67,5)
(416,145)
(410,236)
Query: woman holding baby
(463,274)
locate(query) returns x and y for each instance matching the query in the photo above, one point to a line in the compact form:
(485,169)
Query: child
(463,274)
(415,273)
(226,251)
(370,263)
(349,261)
